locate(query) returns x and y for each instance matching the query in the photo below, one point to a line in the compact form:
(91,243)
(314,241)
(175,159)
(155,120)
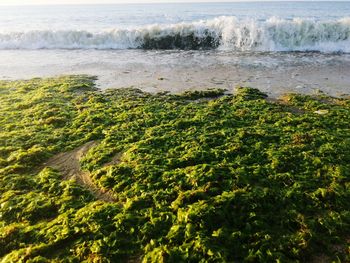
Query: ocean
(150,40)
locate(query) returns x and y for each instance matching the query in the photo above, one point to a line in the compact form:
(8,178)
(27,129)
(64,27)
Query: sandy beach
(177,71)
(174,132)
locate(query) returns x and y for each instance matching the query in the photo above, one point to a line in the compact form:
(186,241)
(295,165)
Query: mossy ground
(230,179)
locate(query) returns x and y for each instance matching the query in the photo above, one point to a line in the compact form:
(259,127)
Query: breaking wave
(228,33)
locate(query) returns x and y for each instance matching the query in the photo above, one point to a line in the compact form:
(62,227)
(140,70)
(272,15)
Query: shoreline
(179,71)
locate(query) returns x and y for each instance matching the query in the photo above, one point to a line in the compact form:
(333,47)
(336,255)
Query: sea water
(109,39)
(252,26)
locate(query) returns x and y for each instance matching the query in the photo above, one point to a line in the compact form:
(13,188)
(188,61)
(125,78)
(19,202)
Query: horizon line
(170,2)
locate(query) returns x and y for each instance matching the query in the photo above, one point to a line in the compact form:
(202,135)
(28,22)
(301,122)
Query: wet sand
(177,71)
(307,80)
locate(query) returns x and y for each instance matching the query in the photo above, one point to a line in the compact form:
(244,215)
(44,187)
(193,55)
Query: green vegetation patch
(195,177)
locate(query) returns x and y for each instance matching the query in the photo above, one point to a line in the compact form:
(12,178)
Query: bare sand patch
(68,164)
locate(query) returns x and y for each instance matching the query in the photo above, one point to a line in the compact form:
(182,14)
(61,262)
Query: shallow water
(274,46)
(177,71)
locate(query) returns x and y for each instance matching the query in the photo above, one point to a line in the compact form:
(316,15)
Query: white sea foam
(226,32)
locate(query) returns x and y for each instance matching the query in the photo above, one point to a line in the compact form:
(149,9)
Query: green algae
(189,41)
(233,178)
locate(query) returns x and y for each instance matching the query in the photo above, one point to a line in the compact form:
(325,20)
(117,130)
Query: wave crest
(227,33)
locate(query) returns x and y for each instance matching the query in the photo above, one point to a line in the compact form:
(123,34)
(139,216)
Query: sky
(31,2)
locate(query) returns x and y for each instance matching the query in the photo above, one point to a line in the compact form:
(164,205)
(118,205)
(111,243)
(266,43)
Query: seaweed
(202,176)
